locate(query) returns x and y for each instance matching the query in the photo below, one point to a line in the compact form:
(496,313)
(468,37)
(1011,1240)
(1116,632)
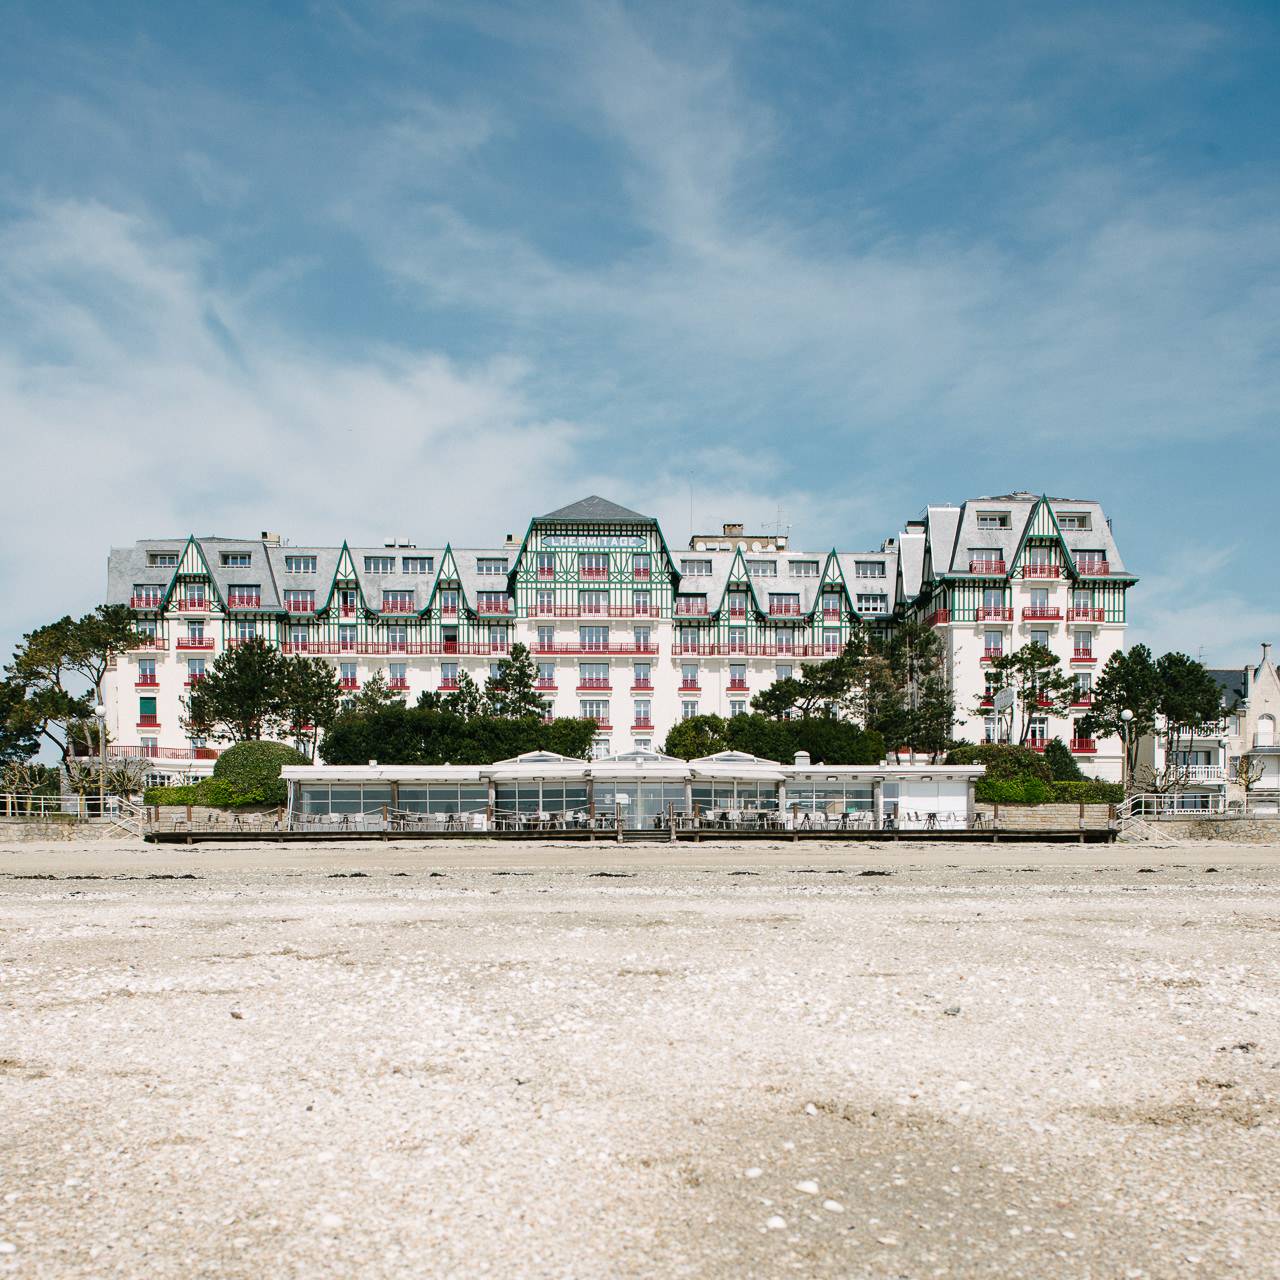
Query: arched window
(1266,731)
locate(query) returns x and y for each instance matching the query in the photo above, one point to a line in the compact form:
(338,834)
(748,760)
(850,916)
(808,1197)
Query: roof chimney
(733,530)
(272,539)
(1266,652)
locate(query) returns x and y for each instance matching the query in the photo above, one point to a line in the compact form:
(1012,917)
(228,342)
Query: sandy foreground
(382,1060)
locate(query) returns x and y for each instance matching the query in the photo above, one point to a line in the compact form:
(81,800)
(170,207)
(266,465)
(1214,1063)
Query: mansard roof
(594,510)
(1231,682)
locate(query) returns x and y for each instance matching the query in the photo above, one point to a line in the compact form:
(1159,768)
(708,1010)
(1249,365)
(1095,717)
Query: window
(990,729)
(641,566)
(499,637)
(737,604)
(194,595)
(546,564)
(642,637)
(804,568)
(688,710)
(783,672)
(872,604)
(688,638)
(347,638)
(237,559)
(379,564)
(147,711)
(1039,597)
(1083,642)
(545,602)
(398,675)
(762,568)
(786,640)
(737,674)
(640,674)
(993,519)
(415,564)
(593,564)
(299,601)
(546,637)
(449,600)
(831,640)
(245,596)
(146,628)
(492,566)
(492,601)
(195,670)
(593,675)
(642,710)
(299,637)
(992,644)
(593,602)
(993,598)
(831,601)
(644,744)
(596,709)
(146,595)
(737,708)
(1041,638)
(1084,685)
(1082,600)
(594,638)
(495,671)
(195,632)
(1039,729)
(1091,561)
(737,639)
(397,639)
(640,602)
(868,569)
(299,564)
(689,675)
(146,671)
(695,568)
(1073,520)
(546,673)
(783,602)
(347,675)
(449,673)
(162,559)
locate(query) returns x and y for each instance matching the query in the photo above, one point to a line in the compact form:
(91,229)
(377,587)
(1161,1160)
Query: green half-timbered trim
(1042,529)
(192,566)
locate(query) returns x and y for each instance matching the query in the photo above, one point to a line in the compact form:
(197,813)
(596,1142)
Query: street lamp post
(100,712)
(1126,721)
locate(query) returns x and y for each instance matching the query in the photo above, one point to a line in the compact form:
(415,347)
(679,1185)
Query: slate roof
(594,510)
(1231,682)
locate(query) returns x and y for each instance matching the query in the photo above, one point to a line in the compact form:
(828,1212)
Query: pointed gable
(193,564)
(344,573)
(737,577)
(448,576)
(1042,524)
(594,510)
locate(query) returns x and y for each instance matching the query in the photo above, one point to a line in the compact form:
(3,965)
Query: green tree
(19,733)
(60,667)
(1061,762)
(513,691)
(310,699)
(1189,700)
(697,736)
(1037,679)
(780,700)
(241,695)
(467,700)
(1129,681)
(374,695)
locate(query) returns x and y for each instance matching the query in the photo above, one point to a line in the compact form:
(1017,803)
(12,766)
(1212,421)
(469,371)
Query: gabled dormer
(1042,551)
(192,588)
(447,594)
(738,598)
(832,587)
(346,592)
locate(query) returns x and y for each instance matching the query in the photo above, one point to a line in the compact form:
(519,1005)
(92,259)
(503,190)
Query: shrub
(1003,760)
(1090,791)
(249,773)
(1031,790)
(1061,762)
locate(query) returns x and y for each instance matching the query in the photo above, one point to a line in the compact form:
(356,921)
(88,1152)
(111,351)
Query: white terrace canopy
(636,789)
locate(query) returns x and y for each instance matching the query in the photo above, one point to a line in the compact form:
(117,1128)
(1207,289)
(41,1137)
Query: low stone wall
(20,830)
(204,815)
(1238,830)
(1046,817)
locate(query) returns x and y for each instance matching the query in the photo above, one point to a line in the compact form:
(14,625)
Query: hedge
(246,774)
(1031,790)
(1002,761)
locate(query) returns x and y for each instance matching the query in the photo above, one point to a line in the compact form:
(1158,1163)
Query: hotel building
(622,628)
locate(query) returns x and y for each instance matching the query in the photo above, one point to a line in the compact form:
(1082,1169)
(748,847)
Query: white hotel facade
(622,628)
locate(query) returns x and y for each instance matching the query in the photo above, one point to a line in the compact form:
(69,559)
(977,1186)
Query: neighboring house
(1208,767)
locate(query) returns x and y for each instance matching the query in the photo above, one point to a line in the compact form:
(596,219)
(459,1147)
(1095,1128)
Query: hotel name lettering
(596,541)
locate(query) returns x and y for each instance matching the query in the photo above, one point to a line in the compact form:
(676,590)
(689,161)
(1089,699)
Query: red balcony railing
(938,617)
(332,647)
(737,611)
(146,682)
(986,700)
(986,566)
(737,685)
(145,602)
(148,721)
(639,725)
(691,608)
(1042,571)
(594,574)
(299,606)
(994,613)
(1082,700)
(493,608)
(642,686)
(587,683)
(348,609)
(398,682)
(1041,613)
(195,642)
(990,655)
(193,605)
(192,681)
(741,649)
(1083,746)
(832,611)
(784,609)
(1083,655)
(1093,568)
(397,606)
(242,600)
(1037,744)
(640,573)
(163,753)
(1086,615)
(618,647)
(546,686)
(348,682)
(690,686)
(449,684)
(546,571)
(146,642)
(449,610)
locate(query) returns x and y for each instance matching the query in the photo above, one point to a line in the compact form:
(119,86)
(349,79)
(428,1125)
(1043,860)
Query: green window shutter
(146,707)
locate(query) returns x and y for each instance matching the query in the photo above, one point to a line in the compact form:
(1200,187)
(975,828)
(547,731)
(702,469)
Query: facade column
(877,803)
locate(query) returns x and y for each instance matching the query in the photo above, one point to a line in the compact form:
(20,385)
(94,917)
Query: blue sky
(355,269)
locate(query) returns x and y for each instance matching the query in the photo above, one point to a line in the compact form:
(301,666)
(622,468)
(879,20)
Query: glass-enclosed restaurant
(639,789)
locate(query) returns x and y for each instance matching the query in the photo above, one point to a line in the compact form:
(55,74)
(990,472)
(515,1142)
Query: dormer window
(492,567)
(162,559)
(415,564)
(237,559)
(245,596)
(993,519)
(1073,520)
(695,568)
(762,568)
(299,564)
(868,569)
(379,564)
(804,568)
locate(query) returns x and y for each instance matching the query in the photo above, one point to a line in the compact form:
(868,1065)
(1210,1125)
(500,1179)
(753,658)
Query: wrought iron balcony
(987,566)
(1086,615)
(1041,613)
(1083,746)
(994,613)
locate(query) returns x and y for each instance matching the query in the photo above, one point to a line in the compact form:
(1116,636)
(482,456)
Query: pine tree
(513,691)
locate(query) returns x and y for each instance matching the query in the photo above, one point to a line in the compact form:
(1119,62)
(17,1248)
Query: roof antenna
(691,512)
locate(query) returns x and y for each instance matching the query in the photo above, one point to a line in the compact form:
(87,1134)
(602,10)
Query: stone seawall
(1047,817)
(21,831)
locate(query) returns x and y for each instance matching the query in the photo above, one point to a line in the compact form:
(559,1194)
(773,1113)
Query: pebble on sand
(776,1223)
(809,1187)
